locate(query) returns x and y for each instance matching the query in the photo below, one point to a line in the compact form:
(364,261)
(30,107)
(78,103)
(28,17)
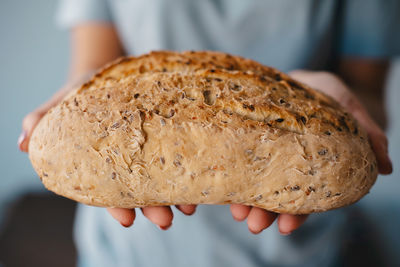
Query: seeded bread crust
(206,127)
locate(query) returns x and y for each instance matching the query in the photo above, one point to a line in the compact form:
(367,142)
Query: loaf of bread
(172,128)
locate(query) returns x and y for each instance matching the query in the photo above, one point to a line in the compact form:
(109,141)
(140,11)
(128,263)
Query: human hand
(32,119)
(28,125)
(333,86)
(259,219)
(161,216)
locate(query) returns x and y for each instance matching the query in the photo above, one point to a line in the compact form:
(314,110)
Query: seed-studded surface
(202,127)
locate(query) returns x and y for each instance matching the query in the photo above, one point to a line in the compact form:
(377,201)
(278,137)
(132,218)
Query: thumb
(28,125)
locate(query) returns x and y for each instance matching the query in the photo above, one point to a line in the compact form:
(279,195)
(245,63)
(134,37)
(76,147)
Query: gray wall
(33,62)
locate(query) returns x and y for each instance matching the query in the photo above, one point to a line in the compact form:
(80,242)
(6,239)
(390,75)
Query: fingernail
(386,167)
(21,139)
(285,233)
(165,227)
(255,232)
(125,225)
(390,165)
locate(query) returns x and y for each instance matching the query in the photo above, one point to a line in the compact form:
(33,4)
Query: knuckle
(326,75)
(380,137)
(31,119)
(26,121)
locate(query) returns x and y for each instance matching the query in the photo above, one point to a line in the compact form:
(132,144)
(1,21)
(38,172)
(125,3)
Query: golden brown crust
(202,127)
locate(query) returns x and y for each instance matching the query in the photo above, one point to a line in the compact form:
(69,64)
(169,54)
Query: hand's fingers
(380,147)
(29,123)
(161,216)
(240,212)
(260,219)
(23,141)
(287,223)
(187,209)
(377,137)
(124,216)
(337,89)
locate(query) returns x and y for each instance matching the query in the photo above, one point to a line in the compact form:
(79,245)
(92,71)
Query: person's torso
(285,34)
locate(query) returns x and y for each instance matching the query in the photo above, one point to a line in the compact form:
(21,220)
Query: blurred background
(35,226)
(33,65)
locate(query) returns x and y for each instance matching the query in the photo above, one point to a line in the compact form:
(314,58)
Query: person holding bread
(328,45)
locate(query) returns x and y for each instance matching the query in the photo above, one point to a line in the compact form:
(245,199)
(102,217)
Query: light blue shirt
(286,34)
